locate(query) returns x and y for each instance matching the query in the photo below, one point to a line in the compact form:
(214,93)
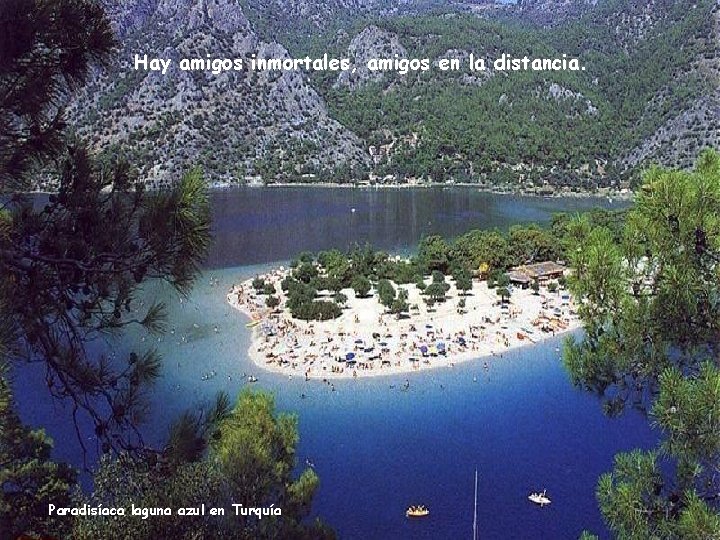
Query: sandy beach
(367,341)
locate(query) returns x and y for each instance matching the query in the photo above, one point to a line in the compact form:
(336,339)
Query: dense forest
(564,128)
(524,128)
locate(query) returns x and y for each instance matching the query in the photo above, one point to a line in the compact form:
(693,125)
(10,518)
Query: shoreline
(617,195)
(365,342)
(223,186)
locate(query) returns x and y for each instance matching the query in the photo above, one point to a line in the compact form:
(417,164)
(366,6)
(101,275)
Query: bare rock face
(372,42)
(233,124)
(560,93)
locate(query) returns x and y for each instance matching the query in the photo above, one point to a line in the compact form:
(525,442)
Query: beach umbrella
(349,356)
(441,345)
(423,349)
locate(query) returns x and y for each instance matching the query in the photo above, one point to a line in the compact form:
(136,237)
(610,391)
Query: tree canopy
(649,303)
(249,460)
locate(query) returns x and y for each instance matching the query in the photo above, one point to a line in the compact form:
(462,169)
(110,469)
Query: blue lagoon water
(378,449)
(260,225)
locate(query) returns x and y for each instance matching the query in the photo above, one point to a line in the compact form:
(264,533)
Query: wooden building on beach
(542,272)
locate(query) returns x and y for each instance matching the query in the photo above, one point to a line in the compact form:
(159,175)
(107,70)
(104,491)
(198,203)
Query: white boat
(539,498)
(417,511)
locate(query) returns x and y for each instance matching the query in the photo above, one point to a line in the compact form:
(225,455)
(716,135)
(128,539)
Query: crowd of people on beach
(366,342)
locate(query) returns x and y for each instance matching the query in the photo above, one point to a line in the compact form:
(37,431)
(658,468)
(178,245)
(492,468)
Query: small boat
(417,511)
(539,498)
(252,378)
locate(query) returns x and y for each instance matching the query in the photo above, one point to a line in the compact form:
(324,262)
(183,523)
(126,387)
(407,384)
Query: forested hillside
(649,91)
(649,65)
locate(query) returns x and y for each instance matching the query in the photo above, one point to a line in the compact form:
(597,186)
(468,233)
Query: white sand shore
(378,343)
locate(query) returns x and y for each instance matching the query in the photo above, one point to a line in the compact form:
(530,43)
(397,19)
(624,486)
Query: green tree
(45,53)
(70,270)
(503,293)
(306,272)
(463,280)
(258,283)
(434,254)
(436,291)
(476,248)
(535,286)
(649,306)
(337,267)
(420,284)
(531,243)
(319,310)
(361,285)
(400,304)
(249,460)
(268,289)
(386,293)
(29,479)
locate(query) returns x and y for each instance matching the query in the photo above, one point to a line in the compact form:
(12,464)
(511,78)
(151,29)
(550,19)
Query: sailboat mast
(475,511)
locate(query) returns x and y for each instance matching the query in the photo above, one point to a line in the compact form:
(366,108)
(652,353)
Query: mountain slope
(684,134)
(650,91)
(233,124)
(652,65)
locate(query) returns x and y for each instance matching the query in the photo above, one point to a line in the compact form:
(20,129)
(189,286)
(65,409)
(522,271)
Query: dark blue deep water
(376,449)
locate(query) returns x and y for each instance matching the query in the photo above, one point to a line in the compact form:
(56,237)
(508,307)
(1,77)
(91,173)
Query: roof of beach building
(519,277)
(536,271)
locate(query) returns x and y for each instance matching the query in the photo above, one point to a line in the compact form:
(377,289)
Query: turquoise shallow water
(378,450)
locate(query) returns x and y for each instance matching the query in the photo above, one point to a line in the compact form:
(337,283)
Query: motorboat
(539,498)
(417,511)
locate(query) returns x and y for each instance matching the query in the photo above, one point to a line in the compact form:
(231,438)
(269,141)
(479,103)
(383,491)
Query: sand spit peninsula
(385,328)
